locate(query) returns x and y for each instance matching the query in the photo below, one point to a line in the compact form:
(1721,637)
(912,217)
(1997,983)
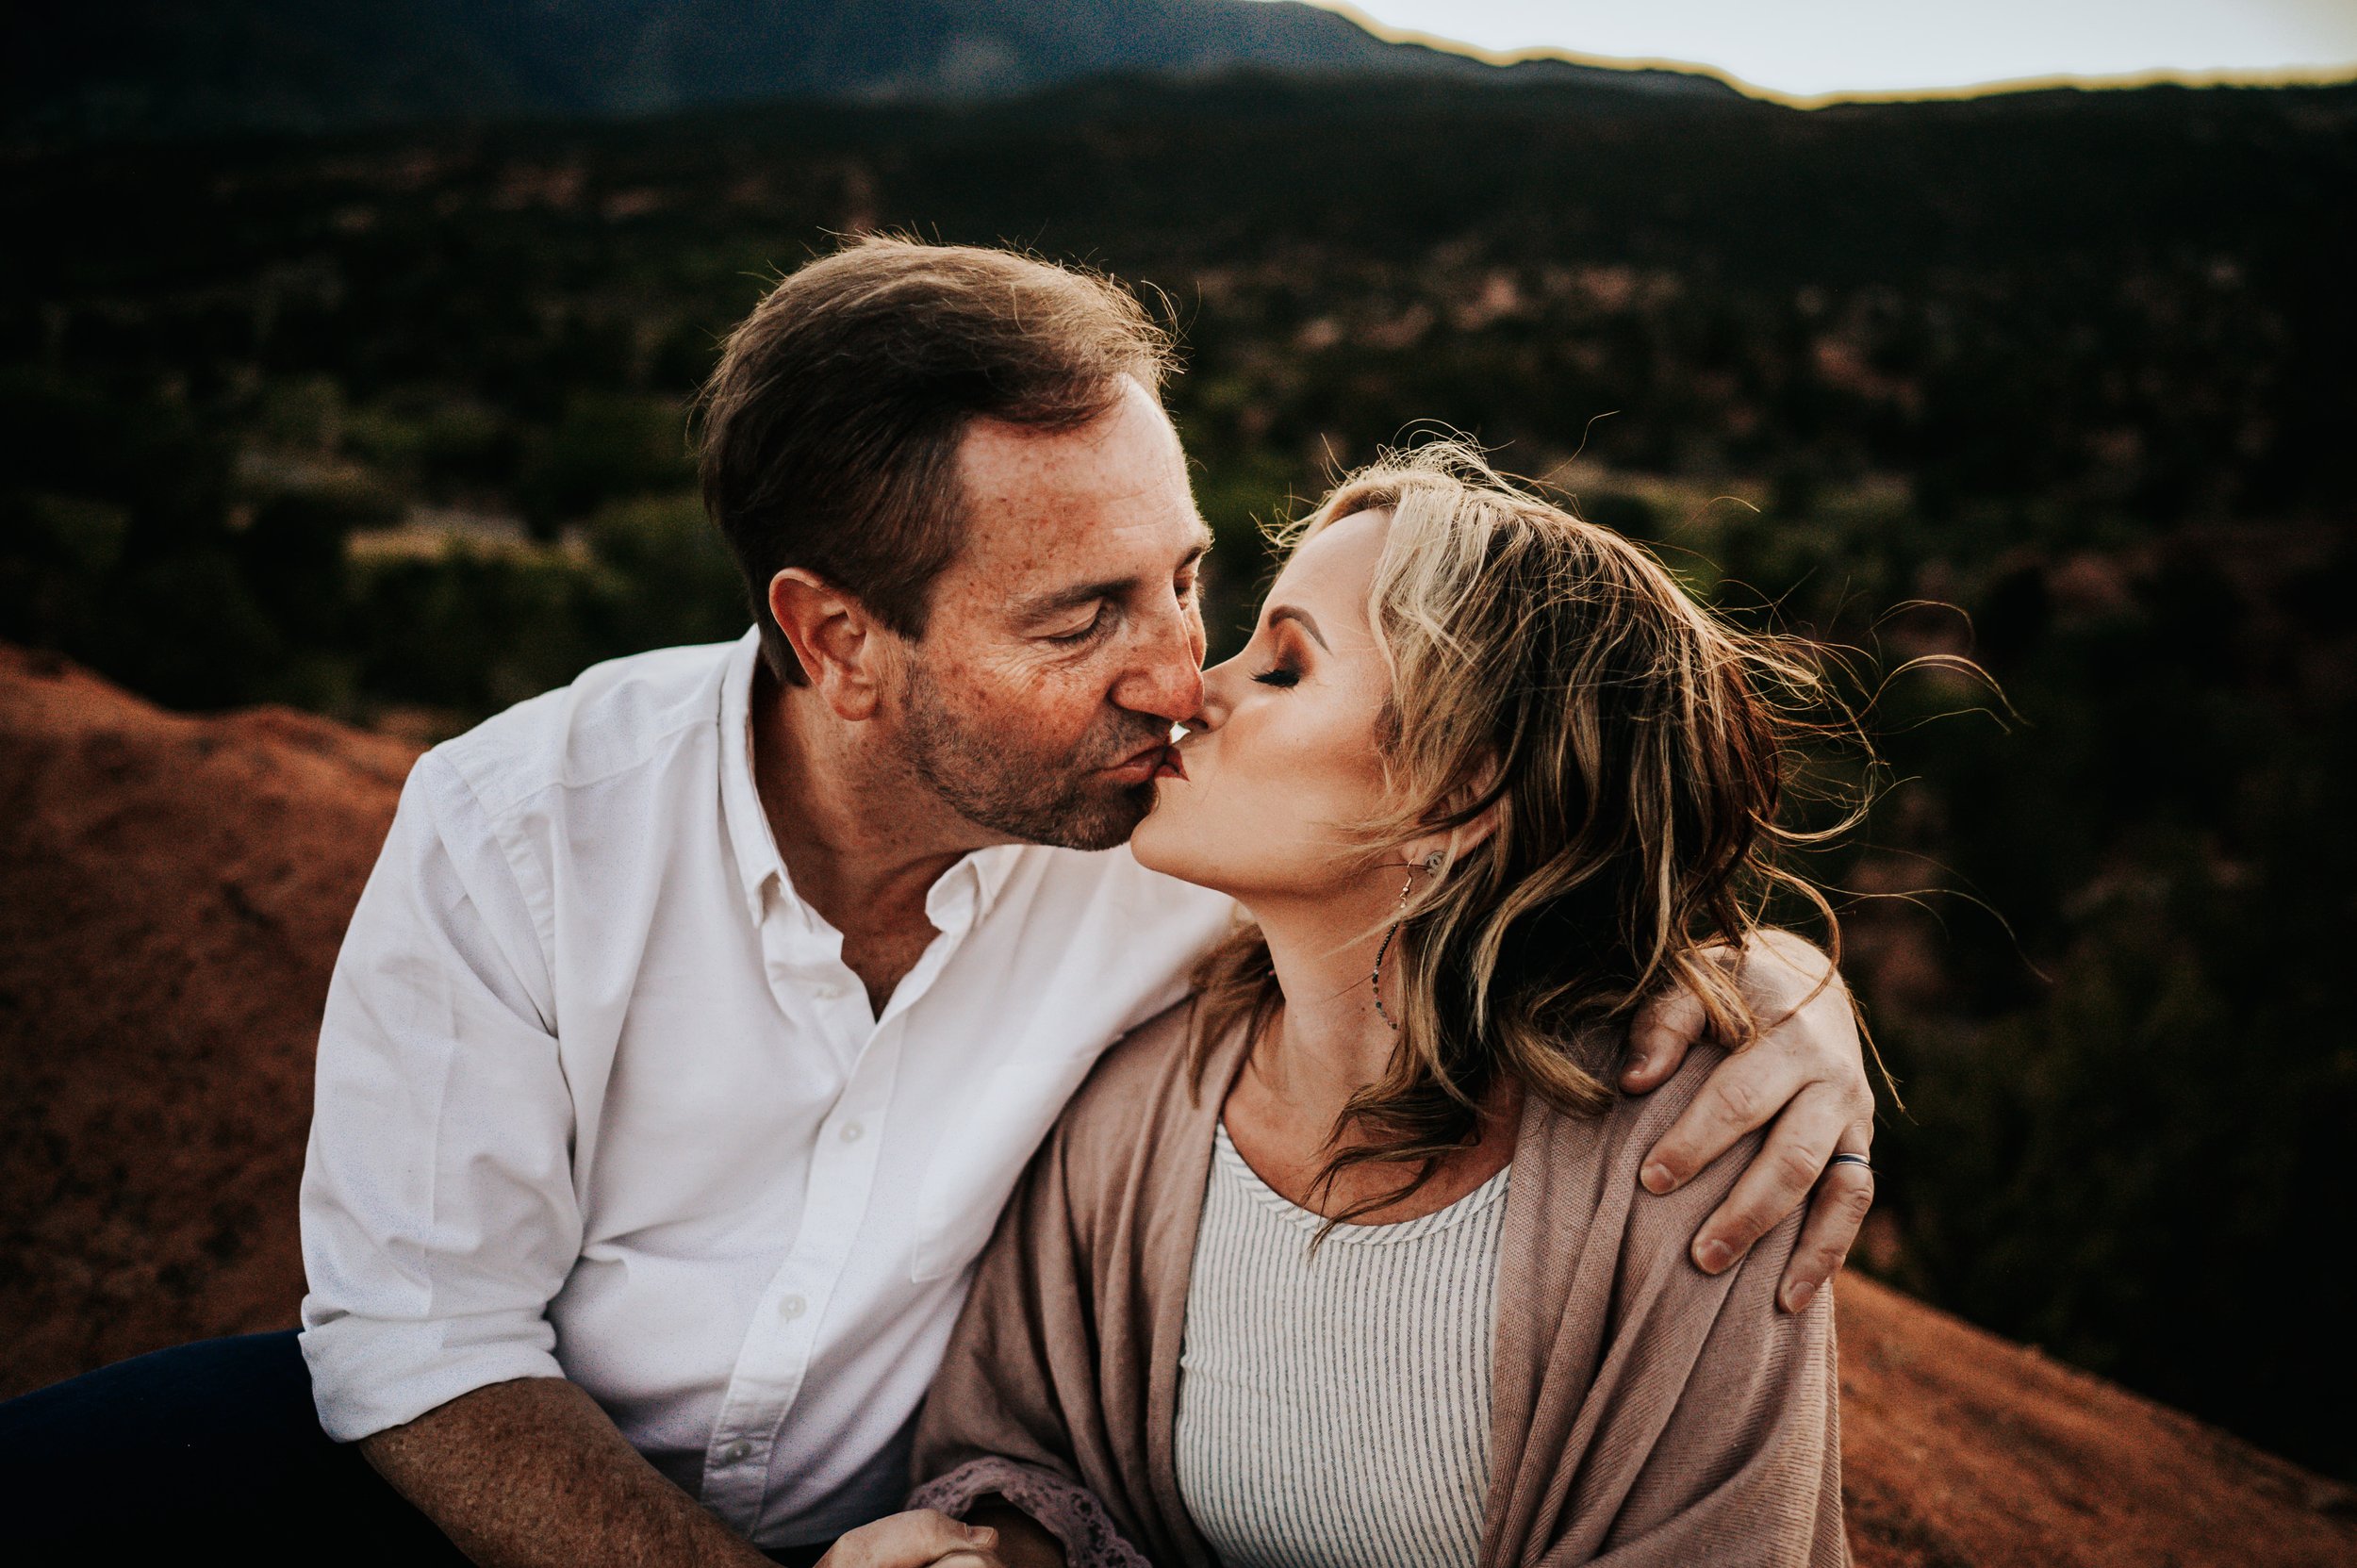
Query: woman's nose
(1219,694)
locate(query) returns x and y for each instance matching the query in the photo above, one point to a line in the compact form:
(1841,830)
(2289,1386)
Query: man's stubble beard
(1036,800)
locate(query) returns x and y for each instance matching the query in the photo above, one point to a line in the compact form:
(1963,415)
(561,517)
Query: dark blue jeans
(208,1446)
(213,1446)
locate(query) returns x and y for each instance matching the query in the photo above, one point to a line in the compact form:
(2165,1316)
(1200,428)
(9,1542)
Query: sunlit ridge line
(2289,75)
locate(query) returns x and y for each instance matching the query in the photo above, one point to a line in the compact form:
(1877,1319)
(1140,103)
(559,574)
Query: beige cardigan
(1645,1412)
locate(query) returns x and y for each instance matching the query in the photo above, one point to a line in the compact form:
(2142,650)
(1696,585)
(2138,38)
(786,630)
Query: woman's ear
(1475,833)
(1453,843)
(1445,846)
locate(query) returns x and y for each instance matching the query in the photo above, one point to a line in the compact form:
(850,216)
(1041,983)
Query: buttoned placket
(814,987)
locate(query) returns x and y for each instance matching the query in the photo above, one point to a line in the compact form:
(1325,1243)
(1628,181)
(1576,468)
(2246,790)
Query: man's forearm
(532,1473)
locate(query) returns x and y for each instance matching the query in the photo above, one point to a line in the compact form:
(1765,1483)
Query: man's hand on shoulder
(1804,1078)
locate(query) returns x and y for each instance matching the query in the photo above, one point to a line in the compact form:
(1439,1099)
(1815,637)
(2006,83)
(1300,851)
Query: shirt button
(736,1453)
(791,1308)
(851,1132)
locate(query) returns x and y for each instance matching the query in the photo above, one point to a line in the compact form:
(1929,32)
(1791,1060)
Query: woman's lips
(1173,766)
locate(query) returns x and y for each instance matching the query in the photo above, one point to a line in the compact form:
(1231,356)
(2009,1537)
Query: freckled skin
(1008,725)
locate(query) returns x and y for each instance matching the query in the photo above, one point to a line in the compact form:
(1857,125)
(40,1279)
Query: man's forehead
(1051,503)
(1129,448)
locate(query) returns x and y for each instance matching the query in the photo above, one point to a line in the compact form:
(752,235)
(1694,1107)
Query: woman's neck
(1329,1043)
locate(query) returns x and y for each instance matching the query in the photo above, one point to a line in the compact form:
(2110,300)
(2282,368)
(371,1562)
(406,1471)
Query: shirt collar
(965,892)
(750,839)
(957,900)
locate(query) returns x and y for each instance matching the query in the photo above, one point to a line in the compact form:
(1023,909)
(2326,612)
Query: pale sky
(1805,48)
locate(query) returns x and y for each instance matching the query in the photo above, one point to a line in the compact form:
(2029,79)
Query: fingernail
(1657,1178)
(982,1535)
(1637,1068)
(1714,1256)
(1798,1297)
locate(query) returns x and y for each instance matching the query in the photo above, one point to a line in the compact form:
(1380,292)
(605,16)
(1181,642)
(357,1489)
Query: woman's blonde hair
(1633,750)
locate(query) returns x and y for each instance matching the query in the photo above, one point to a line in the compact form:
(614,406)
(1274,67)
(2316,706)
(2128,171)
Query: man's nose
(1166,681)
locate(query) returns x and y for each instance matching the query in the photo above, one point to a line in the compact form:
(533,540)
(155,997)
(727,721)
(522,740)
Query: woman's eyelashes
(1284,671)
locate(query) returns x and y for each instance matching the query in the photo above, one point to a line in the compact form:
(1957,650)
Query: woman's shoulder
(1597,1160)
(1650,1115)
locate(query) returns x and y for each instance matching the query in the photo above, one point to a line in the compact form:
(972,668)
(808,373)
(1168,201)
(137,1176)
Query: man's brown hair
(830,430)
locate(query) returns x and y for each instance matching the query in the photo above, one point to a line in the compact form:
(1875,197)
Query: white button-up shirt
(598,1097)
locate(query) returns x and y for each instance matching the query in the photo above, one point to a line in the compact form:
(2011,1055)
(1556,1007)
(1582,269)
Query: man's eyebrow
(1302,619)
(1056,599)
(1070,599)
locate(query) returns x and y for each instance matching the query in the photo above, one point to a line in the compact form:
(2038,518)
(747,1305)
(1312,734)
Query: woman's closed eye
(1283,676)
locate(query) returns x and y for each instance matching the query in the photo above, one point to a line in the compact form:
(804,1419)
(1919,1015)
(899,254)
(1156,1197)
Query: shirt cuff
(368,1375)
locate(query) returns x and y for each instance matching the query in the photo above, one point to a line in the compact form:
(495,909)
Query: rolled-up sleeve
(439,1210)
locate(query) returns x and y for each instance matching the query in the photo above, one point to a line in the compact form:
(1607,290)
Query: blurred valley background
(346,354)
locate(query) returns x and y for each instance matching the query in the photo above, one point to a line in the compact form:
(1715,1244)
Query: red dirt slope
(172,892)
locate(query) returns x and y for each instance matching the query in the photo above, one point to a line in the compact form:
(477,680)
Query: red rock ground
(172,892)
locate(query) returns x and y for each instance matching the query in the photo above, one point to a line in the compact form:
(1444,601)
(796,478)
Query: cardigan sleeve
(1745,1470)
(1650,1416)
(1066,1510)
(1017,1378)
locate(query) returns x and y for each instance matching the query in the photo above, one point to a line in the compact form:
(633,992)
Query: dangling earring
(1433,863)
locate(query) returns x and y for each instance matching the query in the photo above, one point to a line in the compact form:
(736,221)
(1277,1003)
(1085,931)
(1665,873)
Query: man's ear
(842,650)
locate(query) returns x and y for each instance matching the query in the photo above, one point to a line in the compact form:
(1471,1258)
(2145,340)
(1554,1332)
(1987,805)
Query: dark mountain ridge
(143,68)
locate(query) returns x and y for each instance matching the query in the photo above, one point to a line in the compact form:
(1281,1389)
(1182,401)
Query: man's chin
(1107,821)
(1097,817)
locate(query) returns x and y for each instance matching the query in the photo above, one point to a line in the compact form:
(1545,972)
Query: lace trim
(1069,1512)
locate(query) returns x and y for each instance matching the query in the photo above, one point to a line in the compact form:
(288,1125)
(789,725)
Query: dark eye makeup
(1283,676)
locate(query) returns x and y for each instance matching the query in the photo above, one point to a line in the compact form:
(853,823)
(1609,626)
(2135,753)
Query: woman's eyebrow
(1302,619)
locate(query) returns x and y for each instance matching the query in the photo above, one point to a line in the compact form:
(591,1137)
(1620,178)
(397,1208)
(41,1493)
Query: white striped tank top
(1334,1412)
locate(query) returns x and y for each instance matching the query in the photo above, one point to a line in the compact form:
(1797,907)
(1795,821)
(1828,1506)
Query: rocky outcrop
(172,892)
